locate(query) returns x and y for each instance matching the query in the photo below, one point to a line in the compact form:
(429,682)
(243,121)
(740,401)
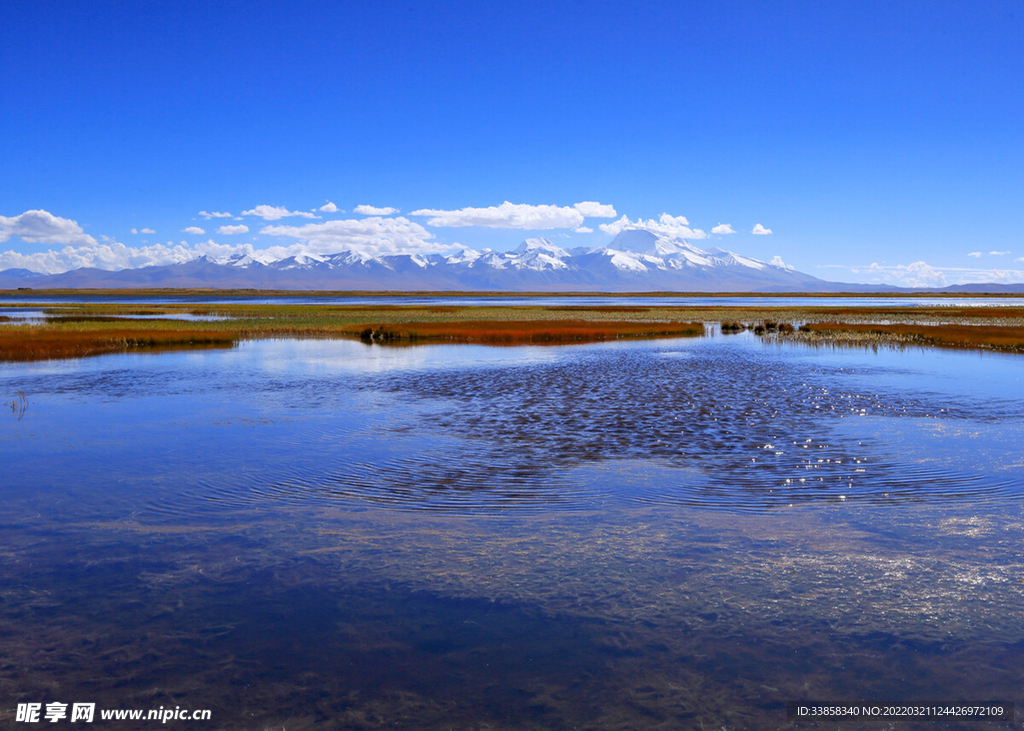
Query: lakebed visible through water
(683,533)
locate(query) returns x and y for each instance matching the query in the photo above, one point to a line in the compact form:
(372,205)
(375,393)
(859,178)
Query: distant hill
(20,274)
(637,260)
(987,288)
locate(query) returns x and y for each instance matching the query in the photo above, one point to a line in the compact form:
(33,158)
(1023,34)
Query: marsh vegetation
(81,329)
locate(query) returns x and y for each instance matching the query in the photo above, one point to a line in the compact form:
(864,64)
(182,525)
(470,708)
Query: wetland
(66,326)
(631,519)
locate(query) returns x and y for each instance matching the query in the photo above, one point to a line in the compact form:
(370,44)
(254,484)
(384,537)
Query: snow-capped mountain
(637,260)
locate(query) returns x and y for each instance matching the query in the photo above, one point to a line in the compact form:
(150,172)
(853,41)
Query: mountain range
(637,260)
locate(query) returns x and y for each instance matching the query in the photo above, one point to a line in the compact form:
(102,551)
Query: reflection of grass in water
(518,333)
(947,335)
(979,334)
(18,405)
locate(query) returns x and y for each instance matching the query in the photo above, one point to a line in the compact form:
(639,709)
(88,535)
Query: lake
(298,534)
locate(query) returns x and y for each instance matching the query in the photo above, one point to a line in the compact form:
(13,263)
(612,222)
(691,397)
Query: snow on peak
(638,240)
(538,254)
(352,256)
(645,241)
(466,256)
(676,252)
(626,260)
(636,254)
(540,245)
(747,261)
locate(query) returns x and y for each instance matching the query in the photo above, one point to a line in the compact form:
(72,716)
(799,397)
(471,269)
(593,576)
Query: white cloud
(667,225)
(507,215)
(922,274)
(329,207)
(584,230)
(995,275)
(723,228)
(229,230)
(375,236)
(273,213)
(760,230)
(207,215)
(979,254)
(618,226)
(777,262)
(143,231)
(593,209)
(918,274)
(42,227)
(365,210)
(193,230)
(115,255)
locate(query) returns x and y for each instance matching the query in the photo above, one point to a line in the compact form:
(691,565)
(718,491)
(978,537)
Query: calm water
(26,315)
(301,534)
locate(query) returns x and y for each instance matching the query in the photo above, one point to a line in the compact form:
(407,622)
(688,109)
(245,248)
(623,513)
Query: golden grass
(76,330)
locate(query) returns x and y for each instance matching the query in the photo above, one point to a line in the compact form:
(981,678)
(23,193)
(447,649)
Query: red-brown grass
(520,332)
(79,337)
(44,343)
(993,337)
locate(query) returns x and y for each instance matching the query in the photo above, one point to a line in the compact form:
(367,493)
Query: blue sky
(858,133)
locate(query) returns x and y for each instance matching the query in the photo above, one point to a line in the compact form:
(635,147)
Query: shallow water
(26,315)
(671,534)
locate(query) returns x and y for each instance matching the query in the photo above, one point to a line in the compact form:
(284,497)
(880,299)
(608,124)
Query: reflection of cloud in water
(314,355)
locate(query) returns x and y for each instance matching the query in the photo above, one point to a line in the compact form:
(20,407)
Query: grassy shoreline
(83,329)
(972,337)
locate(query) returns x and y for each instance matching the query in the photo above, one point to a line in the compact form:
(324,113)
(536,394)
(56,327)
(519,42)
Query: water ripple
(711,426)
